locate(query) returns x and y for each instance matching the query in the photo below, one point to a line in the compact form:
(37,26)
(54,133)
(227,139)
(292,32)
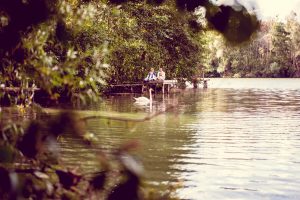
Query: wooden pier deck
(165,85)
(18,89)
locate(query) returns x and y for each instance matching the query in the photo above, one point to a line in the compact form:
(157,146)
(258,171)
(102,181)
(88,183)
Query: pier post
(143,86)
(204,84)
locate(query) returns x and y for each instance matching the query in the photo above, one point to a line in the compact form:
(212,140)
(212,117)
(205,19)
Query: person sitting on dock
(151,75)
(161,75)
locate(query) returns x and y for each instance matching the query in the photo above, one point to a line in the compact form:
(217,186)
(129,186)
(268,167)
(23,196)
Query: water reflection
(221,143)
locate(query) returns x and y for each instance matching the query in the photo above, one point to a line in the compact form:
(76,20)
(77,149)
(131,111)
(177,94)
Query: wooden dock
(26,93)
(166,85)
(18,89)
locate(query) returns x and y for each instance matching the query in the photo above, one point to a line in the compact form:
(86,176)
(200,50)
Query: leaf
(129,146)
(68,178)
(7,154)
(98,181)
(41,175)
(236,25)
(131,164)
(89,138)
(5,184)
(31,144)
(127,190)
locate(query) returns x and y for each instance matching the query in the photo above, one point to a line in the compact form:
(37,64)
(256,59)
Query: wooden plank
(17,89)
(170,81)
(145,83)
(126,85)
(149,83)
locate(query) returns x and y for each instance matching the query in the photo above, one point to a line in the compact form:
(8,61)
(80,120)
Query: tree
(280,50)
(156,38)
(60,52)
(293,26)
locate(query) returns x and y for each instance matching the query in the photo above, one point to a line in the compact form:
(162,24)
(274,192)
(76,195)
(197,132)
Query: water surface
(239,139)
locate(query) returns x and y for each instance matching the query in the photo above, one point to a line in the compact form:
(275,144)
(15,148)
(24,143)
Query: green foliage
(280,50)
(151,37)
(272,52)
(64,55)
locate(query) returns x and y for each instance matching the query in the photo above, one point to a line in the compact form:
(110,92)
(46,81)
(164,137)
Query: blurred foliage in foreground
(31,166)
(73,48)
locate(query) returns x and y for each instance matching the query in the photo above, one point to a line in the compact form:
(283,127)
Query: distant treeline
(274,51)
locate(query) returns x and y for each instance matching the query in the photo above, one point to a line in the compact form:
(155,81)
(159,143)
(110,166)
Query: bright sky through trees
(272,8)
(268,8)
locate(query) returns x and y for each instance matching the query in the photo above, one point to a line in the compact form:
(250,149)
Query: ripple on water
(221,143)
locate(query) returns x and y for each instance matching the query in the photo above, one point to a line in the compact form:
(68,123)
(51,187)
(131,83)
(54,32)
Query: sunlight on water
(254,83)
(239,139)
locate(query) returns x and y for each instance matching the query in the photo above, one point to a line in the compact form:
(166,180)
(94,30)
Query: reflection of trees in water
(250,100)
(166,138)
(163,138)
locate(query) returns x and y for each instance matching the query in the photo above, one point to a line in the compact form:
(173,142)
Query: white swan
(144,100)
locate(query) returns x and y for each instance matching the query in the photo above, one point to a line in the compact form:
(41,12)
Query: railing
(145,85)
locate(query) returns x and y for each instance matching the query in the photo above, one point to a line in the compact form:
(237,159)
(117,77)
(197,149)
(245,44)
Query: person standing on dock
(151,75)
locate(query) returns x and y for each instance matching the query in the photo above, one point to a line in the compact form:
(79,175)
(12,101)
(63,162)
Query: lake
(238,139)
